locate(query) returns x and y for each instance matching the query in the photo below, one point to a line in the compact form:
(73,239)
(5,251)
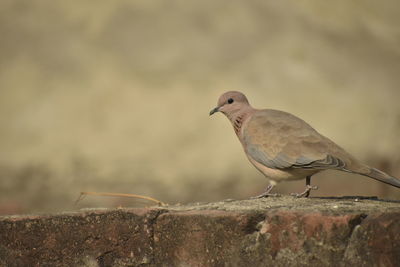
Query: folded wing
(280,140)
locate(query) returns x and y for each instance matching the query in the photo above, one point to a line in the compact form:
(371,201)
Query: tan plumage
(284,147)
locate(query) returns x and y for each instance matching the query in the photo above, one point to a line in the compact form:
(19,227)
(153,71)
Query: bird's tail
(381,176)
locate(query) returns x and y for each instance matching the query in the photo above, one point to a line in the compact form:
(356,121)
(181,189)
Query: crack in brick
(254,222)
(353,224)
(100,259)
(150,221)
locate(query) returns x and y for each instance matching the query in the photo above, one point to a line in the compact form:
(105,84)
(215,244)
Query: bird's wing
(280,140)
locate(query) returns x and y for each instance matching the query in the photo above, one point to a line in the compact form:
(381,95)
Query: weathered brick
(268,232)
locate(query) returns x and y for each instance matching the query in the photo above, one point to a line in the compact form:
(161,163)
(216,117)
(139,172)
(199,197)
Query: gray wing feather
(282,161)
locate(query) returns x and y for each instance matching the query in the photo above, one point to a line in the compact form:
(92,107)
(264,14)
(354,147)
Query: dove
(283,147)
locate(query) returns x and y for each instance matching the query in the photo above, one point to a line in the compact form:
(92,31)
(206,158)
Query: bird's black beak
(214,110)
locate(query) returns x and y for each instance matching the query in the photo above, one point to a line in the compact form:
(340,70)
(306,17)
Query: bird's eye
(230,101)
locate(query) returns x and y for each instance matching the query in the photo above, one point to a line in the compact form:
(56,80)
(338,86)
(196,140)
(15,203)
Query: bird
(284,147)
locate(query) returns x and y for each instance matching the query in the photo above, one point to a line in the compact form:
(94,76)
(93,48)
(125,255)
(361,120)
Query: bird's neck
(238,118)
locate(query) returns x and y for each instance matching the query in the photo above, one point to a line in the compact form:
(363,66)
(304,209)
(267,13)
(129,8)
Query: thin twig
(83,194)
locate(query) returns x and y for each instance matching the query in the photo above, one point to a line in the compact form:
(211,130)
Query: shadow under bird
(284,147)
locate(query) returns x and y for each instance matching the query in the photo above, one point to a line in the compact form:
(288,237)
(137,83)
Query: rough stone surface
(281,231)
(96,237)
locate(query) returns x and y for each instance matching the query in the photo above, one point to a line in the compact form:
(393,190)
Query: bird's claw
(266,195)
(299,195)
(306,192)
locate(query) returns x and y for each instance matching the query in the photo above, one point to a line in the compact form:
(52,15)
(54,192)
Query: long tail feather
(383,177)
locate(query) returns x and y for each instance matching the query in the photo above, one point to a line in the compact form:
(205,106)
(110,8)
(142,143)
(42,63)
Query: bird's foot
(306,192)
(265,194)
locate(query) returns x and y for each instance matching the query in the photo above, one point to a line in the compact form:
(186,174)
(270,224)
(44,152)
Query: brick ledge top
(329,205)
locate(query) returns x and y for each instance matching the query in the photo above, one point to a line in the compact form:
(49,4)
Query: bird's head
(230,103)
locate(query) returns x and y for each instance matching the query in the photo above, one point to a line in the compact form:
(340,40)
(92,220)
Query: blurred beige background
(114,95)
